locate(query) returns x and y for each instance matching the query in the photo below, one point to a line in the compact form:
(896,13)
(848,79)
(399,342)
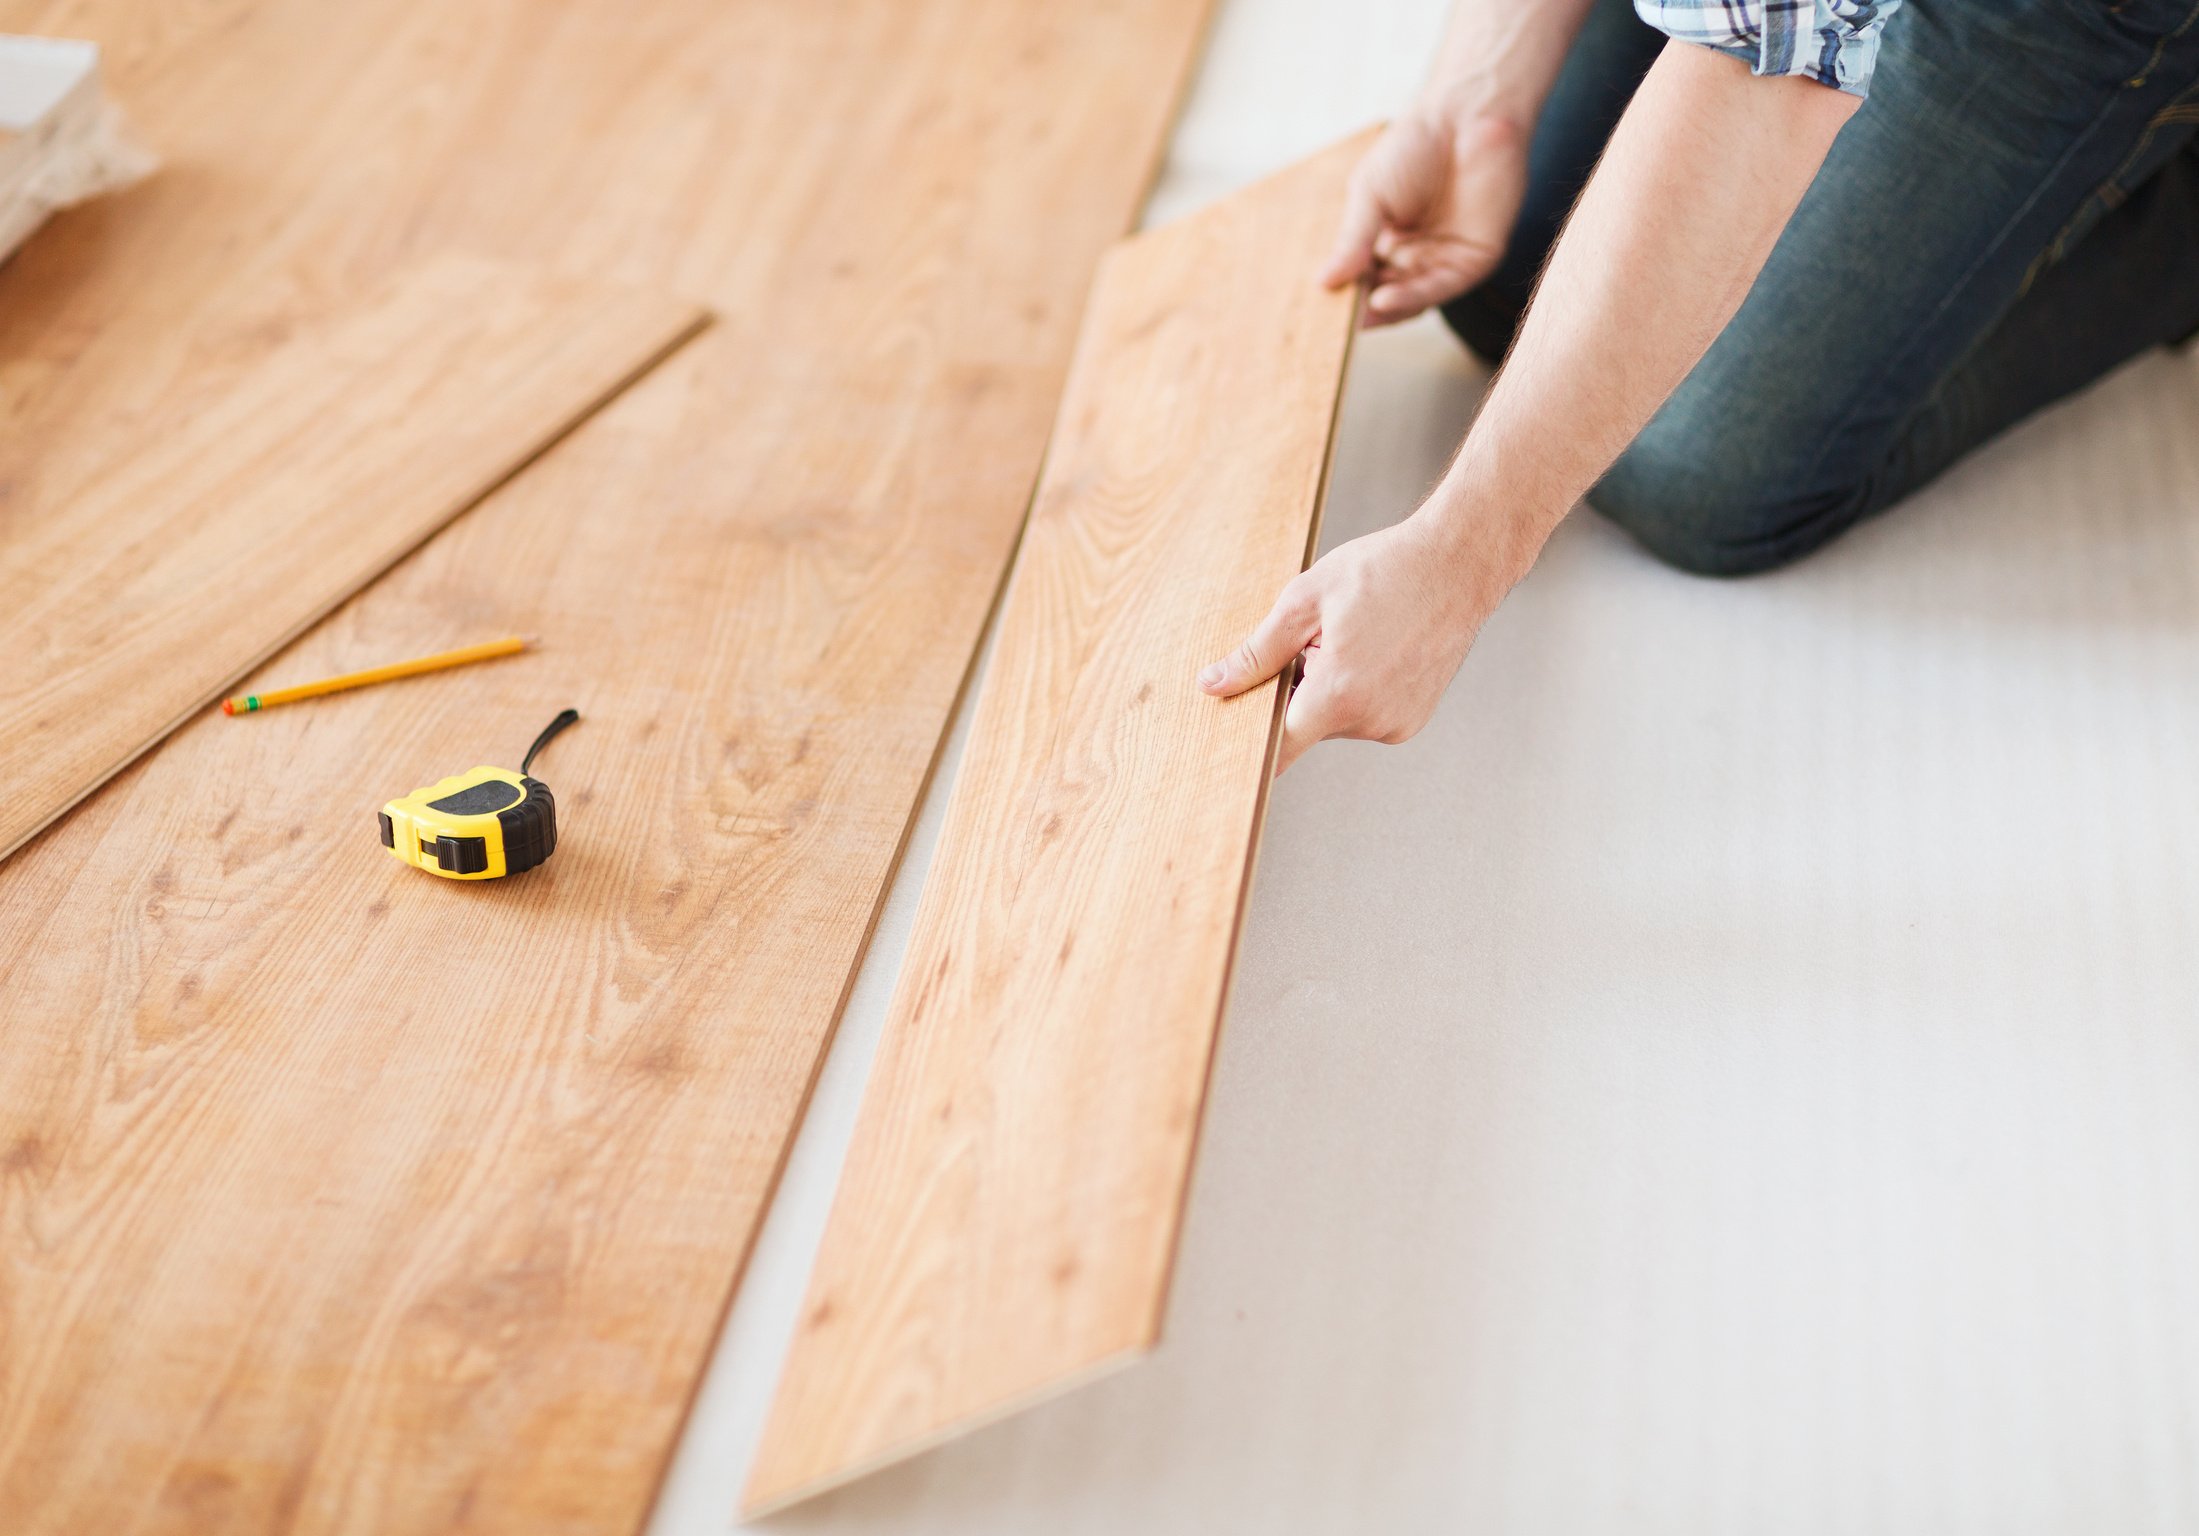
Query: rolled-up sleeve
(1834,42)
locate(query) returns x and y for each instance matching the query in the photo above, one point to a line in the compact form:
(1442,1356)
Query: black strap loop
(565,718)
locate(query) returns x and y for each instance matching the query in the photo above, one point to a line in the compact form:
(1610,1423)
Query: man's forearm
(1658,255)
(1696,185)
(1500,57)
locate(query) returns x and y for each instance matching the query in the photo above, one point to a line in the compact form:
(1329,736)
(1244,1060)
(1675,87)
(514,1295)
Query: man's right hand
(1428,211)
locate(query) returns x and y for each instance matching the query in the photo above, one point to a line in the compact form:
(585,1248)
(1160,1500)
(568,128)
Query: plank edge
(695,318)
(756,1504)
(1265,793)
(770,1195)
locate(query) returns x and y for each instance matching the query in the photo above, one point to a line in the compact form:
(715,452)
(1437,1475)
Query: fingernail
(1210,674)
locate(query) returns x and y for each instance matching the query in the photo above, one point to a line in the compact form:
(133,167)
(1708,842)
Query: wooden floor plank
(1008,1214)
(334,1197)
(203,549)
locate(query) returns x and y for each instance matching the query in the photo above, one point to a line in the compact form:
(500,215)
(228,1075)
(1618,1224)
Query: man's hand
(1383,622)
(1429,209)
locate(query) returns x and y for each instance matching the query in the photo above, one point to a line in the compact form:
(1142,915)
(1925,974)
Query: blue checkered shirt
(1834,42)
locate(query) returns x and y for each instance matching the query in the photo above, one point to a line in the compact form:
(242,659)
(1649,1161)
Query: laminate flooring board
(847,184)
(341,1198)
(200,551)
(1007,1219)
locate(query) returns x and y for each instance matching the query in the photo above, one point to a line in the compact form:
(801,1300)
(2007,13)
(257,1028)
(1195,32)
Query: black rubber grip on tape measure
(530,827)
(479,799)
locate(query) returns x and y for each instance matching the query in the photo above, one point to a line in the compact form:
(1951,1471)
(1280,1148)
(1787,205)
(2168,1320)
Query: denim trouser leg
(1614,50)
(2010,215)
(2129,284)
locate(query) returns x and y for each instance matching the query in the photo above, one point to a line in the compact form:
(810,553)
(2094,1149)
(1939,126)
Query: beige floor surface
(1737,1071)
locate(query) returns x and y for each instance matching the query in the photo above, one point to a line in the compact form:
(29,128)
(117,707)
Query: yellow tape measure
(478,825)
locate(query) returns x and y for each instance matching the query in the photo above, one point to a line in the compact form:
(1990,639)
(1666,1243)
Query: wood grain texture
(1008,1214)
(336,1199)
(201,550)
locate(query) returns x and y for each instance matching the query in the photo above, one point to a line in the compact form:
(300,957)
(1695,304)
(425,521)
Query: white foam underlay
(1736,1071)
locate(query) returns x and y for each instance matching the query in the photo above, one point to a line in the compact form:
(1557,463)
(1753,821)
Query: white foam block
(59,141)
(39,76)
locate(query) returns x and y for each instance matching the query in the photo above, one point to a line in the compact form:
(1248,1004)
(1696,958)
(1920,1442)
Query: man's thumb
(1352,256)
(1289,625)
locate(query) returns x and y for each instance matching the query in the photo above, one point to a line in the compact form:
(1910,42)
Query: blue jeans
(2013,212)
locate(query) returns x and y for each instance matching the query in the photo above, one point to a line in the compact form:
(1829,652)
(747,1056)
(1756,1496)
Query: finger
(1312,715)
(1403,296)
(1354,250)
(1270,647)
(1402,256)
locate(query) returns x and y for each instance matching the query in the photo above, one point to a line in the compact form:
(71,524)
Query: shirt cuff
(1834,42)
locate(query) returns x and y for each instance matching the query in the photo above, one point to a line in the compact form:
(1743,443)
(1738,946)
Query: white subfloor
(1736,1071)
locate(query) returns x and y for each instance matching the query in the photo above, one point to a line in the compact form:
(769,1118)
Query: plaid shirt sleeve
(1834,42)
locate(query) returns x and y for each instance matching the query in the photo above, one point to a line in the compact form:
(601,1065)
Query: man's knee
(1715,509)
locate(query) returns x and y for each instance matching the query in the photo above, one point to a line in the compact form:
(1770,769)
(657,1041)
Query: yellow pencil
(246,703)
